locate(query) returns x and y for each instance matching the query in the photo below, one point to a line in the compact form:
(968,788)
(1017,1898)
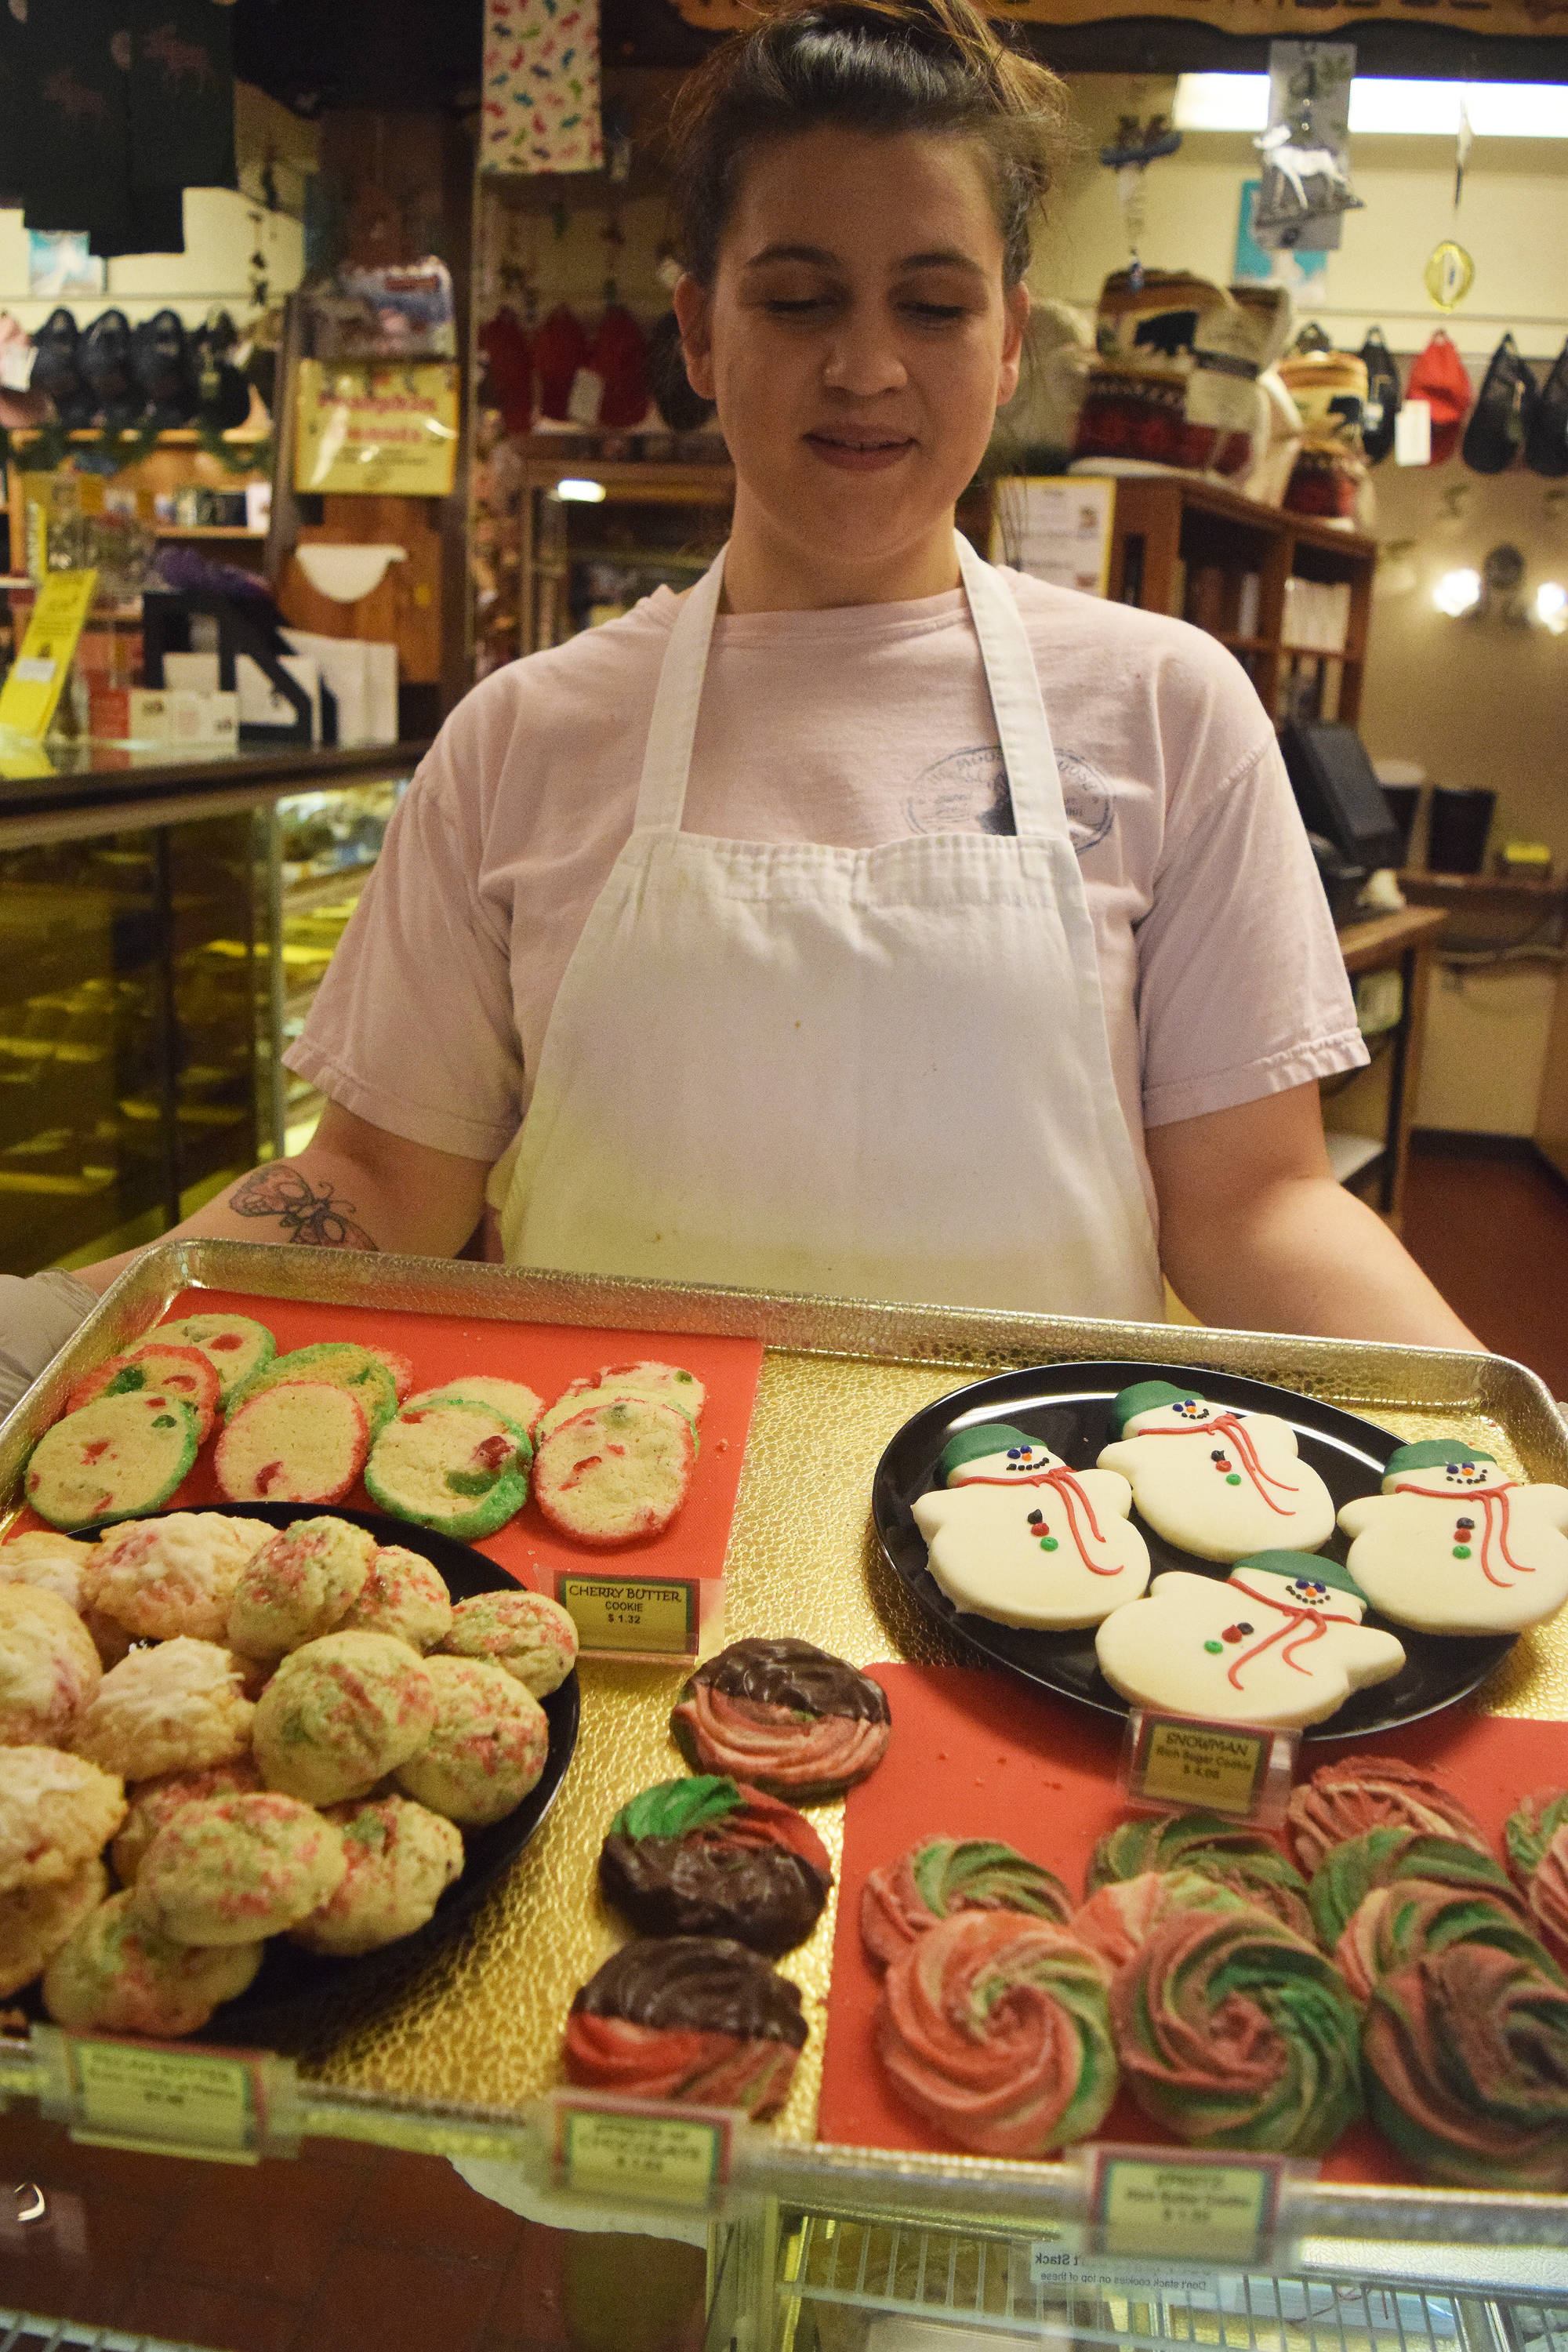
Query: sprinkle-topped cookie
(1213,1479)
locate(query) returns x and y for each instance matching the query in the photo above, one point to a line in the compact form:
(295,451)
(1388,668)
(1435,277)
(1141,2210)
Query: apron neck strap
(1010,676)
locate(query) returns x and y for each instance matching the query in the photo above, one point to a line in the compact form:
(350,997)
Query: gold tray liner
(483,2023)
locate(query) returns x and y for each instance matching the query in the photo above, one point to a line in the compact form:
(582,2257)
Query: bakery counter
(822,2205)
(142,783)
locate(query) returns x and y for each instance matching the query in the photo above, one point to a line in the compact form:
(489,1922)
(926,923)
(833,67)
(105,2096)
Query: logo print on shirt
(967,793)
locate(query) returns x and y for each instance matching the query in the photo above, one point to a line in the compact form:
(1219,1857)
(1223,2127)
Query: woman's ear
(1015,318)
(692,303)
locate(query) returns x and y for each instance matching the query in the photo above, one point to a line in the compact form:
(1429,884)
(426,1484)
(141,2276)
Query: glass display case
(151,974)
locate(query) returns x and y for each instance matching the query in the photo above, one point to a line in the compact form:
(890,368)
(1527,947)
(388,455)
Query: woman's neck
(765,572)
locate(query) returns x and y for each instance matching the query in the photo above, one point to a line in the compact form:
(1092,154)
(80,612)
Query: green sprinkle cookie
(459,1468)
(117,1458)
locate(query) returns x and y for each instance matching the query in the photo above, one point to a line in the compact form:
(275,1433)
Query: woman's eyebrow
(817,255)
(943,258)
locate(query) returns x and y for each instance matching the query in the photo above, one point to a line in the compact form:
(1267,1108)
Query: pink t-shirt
(1221,974)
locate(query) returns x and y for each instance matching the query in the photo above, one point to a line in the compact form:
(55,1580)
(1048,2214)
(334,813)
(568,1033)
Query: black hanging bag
(1382,409)
(1546,436)
(160,355)
(1500,419)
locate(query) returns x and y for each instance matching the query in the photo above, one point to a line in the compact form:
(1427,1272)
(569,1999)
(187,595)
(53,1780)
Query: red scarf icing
(1228,1423)
(1291,1634)
(1486,1497)
(1063,1483)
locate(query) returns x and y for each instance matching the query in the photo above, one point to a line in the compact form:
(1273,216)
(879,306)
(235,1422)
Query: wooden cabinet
(1185,546)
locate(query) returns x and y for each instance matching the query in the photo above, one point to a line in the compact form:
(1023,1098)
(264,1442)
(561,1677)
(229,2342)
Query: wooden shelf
(1439,888)
(205,530)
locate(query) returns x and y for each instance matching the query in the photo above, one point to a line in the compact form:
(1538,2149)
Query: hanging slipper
(223,395)
(560,349)
(1501,417)
(117,399)
(161,357)
(1440,378)
(619,357)
(1546,436)
(57,371)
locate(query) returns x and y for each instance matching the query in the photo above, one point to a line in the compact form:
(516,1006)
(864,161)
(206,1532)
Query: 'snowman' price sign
(1177,1761)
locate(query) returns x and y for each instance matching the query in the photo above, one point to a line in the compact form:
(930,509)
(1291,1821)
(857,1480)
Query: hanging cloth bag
(1382,409)
(1546,434)
(1501,418)
(1439,379)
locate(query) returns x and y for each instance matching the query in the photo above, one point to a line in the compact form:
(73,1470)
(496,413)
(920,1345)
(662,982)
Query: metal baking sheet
(482,2026)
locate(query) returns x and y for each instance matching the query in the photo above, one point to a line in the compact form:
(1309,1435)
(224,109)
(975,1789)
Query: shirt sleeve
(411,1027)
(1242,989)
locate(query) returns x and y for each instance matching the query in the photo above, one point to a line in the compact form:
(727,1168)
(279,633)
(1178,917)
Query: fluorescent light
(1498,110)
(1457,592)
(572,487)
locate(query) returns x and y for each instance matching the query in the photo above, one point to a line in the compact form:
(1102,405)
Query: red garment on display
(1440,378)
(508,363)
(620,356)
(560,349)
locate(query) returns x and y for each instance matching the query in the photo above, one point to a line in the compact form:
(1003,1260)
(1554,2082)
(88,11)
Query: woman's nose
(863,356)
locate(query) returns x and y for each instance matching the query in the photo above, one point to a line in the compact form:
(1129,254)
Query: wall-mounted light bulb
(1551,606)
(1457,592)
(579,489)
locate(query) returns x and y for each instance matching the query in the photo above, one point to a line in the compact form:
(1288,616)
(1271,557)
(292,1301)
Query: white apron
(871,1072)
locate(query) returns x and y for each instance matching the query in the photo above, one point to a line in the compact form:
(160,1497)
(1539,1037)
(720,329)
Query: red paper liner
(548,1357)
(975,1754)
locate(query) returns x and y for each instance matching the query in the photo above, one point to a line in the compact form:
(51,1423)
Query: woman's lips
(858,457)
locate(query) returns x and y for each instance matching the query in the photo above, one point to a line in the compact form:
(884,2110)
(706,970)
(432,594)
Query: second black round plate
(1069,1406)
(287,1998)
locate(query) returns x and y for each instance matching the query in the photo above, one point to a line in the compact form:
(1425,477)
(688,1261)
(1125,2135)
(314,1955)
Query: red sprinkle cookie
(302,1441)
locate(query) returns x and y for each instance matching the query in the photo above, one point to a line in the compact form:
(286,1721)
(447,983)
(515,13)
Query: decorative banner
(383,431)
(540,105)
(1251,17)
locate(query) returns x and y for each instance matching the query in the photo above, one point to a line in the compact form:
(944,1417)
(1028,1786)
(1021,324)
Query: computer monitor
(1338,795)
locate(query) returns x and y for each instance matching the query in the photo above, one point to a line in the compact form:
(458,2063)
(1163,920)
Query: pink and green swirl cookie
(1536,1839)
(994,2027)
(1398,1925)
(1467,2069)
(1379,1857)
(1119,1917)
(1358,1793)
(1243,1859)
(943,1875)
(1233,2032)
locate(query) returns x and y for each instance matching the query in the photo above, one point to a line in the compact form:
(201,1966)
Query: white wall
(223,229)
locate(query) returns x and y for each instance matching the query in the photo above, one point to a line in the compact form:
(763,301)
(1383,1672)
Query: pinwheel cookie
(784,1715)
(1466,2067)
(1213,1479)
(695,2018)
(708,1857)
(1234,2032)
(994,2028)
(943,1875)
(1013,1535)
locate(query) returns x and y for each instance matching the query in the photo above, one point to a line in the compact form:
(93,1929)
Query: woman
(866,922)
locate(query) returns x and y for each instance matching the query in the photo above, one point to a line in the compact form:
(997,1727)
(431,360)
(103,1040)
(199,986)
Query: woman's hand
(354,1186)
(1256,1233)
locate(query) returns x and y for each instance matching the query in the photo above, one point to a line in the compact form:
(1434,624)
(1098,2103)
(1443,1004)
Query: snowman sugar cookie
(1013,1535)
(1212,1479)
(1454,1545)
(1280,1641)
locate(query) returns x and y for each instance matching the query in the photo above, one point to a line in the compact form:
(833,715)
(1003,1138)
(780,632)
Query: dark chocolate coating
(798,1675)
(763,1896)
(708,1983)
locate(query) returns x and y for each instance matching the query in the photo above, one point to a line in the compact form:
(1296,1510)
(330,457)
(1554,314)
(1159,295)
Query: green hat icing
(1429,1453)
(1144,1396)
(670,1808)
(973,1444)
(1306,1563)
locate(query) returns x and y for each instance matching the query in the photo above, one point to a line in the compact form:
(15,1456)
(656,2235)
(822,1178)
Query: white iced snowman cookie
(1454,1545)
(1280,1641)
(1213,1480)
(1015,1536)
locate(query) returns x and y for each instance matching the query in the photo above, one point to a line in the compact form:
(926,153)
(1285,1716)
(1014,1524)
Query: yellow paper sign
(36,677)
(390,431)
(1204,2210)
(669,2159)
(658,1616)
(183,2102)
(1220,1771)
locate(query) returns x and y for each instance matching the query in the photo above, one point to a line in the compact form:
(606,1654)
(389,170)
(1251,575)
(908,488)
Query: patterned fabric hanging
(542,87)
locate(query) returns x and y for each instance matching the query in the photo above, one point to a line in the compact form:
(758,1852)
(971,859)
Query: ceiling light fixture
(1497,110)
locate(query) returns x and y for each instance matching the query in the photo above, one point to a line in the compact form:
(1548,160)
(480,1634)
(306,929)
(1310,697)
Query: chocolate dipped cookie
(709,1857)
(695,2018)
(785,1716)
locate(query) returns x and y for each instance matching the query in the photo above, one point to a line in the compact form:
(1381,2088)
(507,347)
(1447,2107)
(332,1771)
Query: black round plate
(1068,1405)
(295,1991)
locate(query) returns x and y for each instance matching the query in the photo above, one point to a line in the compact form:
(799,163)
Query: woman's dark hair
(881,66)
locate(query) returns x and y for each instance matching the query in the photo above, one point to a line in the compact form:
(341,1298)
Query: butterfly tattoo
(306,1213)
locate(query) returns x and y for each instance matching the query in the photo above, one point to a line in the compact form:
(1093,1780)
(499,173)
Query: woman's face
(856,342)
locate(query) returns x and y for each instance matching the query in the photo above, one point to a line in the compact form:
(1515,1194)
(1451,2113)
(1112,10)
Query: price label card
(1238,1770)
(648,1616)
(169,2102)
(1188,2207)
(664,2155)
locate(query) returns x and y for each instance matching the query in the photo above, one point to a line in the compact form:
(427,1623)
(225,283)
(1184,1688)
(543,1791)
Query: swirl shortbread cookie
(1466,2068)
(1382,1857)
(1242,1859)
(943,1875)
(692,2018)
(785,1716)
(1367,1793)
(708,1857)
